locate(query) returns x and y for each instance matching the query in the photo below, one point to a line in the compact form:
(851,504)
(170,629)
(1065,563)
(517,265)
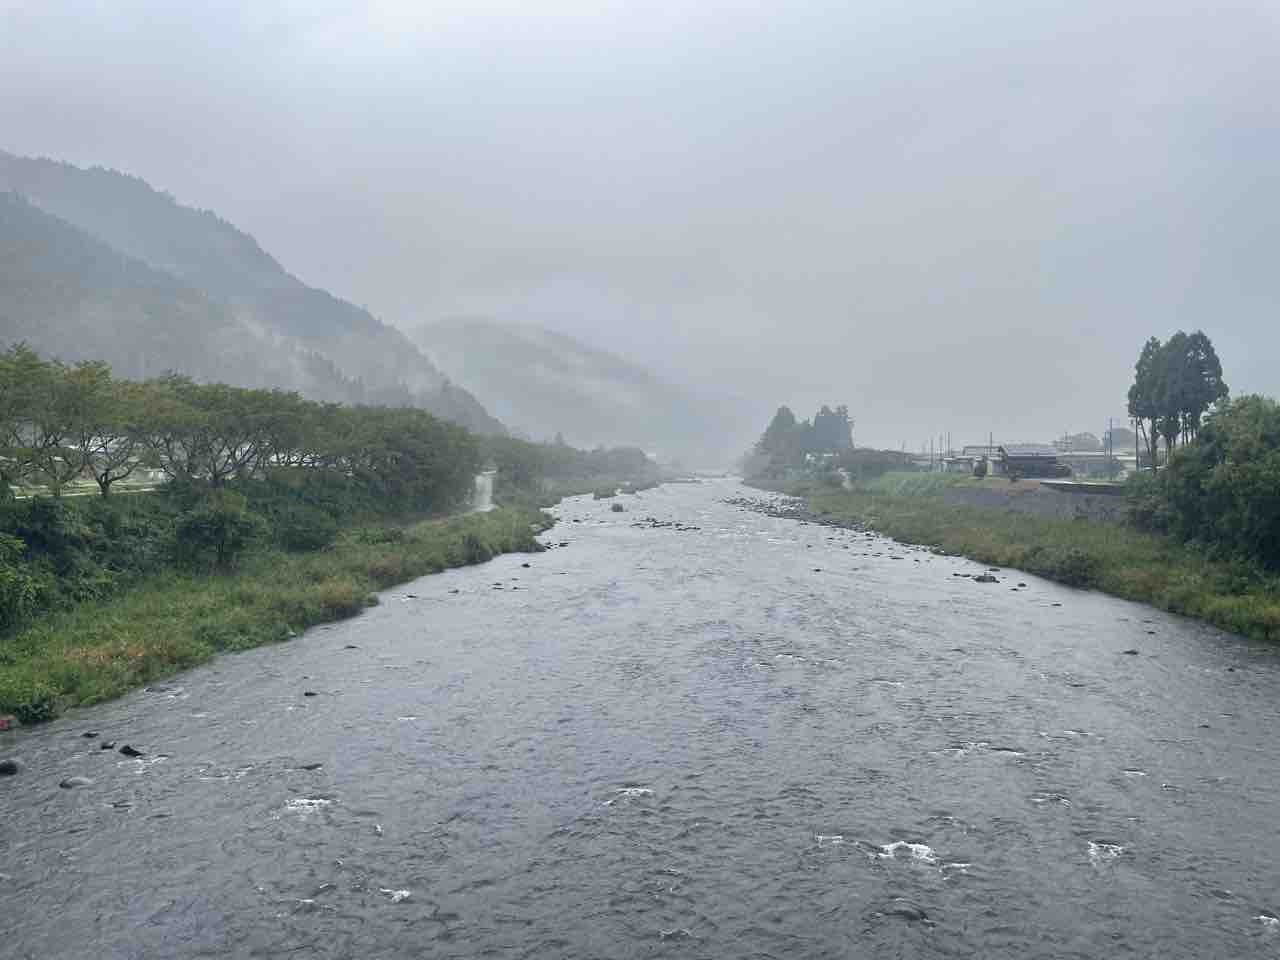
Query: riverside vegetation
(1202,538)
(274,514)
(1123,560)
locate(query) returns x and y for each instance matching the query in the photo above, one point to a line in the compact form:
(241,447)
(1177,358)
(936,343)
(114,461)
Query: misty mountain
(542,383)
(98,265)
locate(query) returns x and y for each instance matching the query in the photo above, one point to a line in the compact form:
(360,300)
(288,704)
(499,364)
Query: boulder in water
(129,751)
(10,768)
(985,578)
(905,910)
(72,782)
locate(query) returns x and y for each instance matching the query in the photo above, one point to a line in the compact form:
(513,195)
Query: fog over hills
(98,265)
(541,383)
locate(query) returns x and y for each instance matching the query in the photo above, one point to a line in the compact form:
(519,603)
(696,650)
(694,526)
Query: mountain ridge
(368,361)
(543,383)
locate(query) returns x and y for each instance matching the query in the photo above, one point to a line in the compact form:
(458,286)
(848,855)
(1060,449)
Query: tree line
(61,422)
(790,441)
(1175,384)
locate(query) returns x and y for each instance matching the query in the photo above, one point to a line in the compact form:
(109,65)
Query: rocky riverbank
(1080,552)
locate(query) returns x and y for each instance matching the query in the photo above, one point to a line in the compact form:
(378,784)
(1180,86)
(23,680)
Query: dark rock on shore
(653,523)
(793,508)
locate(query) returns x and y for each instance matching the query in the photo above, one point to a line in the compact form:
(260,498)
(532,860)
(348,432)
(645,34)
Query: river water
(754,738)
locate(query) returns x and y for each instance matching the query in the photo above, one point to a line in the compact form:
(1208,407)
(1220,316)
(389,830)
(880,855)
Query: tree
(832,431)
(1199,381)
(66,403)
(22,381)
(210,432)
(778,439)
(1146,392)
(1223,489)
(114,444)
(1175,384)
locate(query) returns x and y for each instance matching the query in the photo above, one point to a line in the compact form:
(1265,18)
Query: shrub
(376,536)
(1223,489)
(475,550)
(31,701)
(1069,565)
(298,527)
(220,527)
(20,590)
(340,597)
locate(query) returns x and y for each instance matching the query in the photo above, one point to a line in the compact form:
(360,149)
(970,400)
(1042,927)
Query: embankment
(1103,554)
(175,620)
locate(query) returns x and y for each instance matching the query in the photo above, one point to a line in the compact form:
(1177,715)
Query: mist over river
(723,734)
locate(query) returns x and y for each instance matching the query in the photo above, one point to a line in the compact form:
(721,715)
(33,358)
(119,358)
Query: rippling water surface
(757,738)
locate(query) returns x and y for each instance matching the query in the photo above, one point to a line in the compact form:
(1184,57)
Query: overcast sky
(950,216)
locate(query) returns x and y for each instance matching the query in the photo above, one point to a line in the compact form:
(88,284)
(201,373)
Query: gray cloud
(957,216)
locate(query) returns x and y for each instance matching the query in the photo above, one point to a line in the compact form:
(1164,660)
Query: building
(968,458)
(1030,460)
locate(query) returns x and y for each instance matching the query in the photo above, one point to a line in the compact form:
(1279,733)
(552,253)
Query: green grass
(1111,557)
(915,484)
(99,650)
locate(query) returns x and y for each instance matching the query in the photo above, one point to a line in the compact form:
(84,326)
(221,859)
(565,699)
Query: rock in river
(10,768)
(72,782)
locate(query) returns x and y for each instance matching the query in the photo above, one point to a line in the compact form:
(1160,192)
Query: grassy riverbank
(177,619)
(1111,557)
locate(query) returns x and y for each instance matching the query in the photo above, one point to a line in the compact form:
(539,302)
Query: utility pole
(1110,448)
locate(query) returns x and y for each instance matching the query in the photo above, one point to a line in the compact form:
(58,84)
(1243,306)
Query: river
(739,736)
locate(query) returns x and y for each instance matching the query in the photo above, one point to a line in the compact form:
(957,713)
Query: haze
(954,217)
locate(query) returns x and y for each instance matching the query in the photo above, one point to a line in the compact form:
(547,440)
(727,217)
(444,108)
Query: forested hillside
(543,383)
(116,270)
